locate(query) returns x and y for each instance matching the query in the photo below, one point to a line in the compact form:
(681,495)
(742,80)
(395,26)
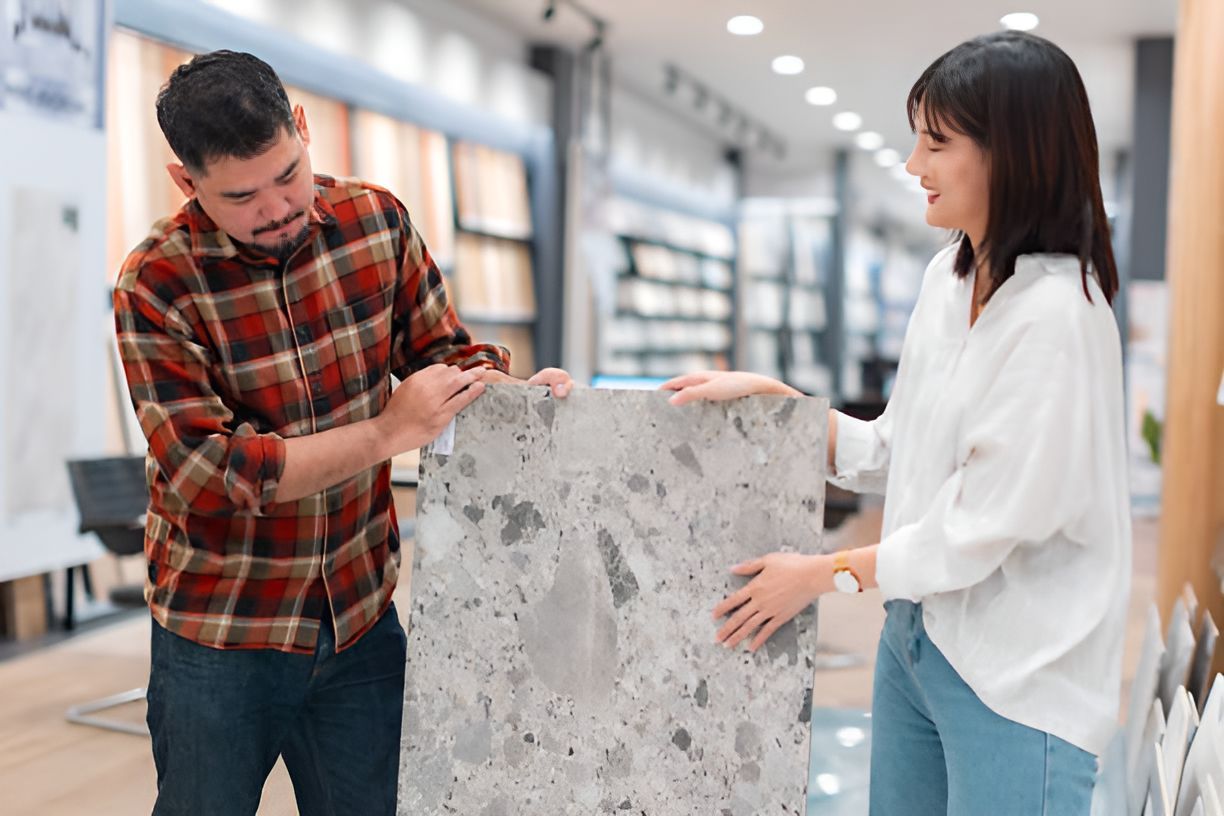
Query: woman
(1005,554)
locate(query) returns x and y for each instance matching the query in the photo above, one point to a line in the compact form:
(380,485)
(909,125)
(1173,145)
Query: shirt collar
(210,241)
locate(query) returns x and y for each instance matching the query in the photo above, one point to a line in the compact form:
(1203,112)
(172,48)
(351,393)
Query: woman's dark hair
(1020,98)
(223,104)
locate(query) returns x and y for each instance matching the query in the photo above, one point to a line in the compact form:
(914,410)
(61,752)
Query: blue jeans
(937,749)
(220,718)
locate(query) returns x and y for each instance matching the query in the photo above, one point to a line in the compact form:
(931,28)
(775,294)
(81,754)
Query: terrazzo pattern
(561,654)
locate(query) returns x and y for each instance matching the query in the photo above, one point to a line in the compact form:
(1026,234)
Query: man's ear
(299,119)
(182,179)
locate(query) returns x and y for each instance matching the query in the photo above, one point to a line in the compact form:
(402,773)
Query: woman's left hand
(784,585)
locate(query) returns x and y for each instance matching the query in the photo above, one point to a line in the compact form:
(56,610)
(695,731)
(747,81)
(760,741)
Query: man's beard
(285,247)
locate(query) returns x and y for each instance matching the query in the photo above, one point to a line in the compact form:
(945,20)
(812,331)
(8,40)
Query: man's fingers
(558,378)
(462,399)
(548,376)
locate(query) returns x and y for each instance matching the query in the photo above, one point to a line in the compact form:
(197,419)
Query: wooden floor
(49,767)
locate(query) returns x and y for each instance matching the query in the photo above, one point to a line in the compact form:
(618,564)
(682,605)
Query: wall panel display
(785,261)
(139,190)
(671,302)
(518,339)
(51,59)
(45,250)
(491,191)
(328,123)
(413,164)
(493,279)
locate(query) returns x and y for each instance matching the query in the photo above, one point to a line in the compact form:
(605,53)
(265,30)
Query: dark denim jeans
(220,718)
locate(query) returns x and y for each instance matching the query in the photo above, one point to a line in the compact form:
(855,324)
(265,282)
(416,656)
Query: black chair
(112,499)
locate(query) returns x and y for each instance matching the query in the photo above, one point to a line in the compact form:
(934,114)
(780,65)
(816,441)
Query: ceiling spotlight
(869,140)
(745,25)
(788,65)
(887,157)
(550,10)
(847,121)
(820,95)
(1019,21)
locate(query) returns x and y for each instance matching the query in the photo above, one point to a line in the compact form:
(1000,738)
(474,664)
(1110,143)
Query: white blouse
(1002,457)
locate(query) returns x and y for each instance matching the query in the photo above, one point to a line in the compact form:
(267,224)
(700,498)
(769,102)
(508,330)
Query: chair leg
(87,582)
(83,714)
(69,592)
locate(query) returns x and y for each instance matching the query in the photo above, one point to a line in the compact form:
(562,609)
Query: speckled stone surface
(561,655)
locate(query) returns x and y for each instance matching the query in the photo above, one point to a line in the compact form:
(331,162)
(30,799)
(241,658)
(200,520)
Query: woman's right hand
(717,386)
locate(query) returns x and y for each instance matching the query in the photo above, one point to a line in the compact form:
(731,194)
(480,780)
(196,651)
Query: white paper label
(445,443)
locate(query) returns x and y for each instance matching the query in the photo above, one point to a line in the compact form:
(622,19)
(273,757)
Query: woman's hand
(784,585)
(723,385)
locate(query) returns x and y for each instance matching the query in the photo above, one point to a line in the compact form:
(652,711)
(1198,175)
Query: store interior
(630,191)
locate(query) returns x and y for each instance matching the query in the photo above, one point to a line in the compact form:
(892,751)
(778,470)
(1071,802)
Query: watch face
(845,581)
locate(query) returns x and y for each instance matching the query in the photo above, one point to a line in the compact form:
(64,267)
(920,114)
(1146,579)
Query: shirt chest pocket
(361,339)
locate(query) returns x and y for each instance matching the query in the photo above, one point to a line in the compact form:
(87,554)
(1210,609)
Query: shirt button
(303,334)
(316,388)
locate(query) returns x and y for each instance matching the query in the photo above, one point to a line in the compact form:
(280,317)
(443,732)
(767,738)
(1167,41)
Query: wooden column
(1192,513)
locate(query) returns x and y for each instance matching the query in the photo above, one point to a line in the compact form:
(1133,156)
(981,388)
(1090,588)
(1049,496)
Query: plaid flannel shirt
(227,353)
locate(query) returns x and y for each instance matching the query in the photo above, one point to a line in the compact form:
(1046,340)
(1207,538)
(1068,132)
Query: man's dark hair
(224,104)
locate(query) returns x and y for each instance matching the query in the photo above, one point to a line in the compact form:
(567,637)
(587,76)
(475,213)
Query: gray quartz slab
(561,654)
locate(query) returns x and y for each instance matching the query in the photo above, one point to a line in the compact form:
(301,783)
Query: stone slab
(561,654)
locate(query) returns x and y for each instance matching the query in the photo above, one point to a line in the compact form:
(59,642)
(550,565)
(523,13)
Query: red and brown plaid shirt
(228,353)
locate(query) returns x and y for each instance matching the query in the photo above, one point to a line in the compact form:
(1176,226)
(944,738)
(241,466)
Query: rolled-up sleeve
(862,454)
(427,329)
(211,465)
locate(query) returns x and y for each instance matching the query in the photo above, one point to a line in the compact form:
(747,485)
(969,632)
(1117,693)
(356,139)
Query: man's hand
(559,380)
(423,404)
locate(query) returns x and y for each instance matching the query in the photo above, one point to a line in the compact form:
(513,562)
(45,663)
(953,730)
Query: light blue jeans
(937,749)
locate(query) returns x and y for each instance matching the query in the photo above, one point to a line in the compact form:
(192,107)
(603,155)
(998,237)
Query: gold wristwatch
(845,579)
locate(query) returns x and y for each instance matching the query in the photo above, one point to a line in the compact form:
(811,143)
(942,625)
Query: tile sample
(561,654)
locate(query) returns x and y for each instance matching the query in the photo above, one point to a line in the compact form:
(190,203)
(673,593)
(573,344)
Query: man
(259,327)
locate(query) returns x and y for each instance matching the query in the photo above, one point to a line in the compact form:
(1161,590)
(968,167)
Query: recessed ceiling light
(847,121)
(869,140)
(1019,21)
(887,157)
(745,25)
(820,96)
(788,65)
